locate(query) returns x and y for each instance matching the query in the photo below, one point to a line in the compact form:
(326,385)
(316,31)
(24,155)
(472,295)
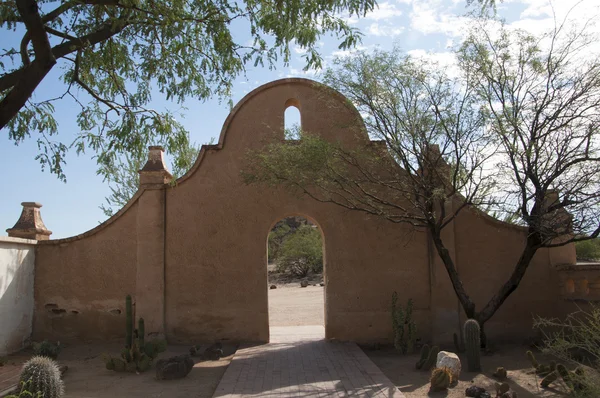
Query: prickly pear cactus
(43,375)
(549,379)
(473,345)
(441,378)
(424,356)
(431,358)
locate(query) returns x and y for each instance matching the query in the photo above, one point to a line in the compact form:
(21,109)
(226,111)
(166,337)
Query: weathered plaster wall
(81,282)
(487,251)
(216,277)
(17,260)
(193,255)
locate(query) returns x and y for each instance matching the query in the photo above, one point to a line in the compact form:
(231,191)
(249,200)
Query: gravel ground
(292,305)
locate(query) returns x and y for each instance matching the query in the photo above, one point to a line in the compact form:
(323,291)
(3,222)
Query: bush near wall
(588,250)
(301,252)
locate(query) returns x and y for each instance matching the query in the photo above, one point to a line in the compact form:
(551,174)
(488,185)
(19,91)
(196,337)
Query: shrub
(47,349)
(301,252)
(276,239)
(576,341)
(588,250)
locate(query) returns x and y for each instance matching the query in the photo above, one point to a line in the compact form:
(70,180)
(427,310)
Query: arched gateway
(193,255)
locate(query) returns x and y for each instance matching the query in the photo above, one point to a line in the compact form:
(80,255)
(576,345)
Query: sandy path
(296,306)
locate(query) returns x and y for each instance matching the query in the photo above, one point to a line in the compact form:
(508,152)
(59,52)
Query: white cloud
(429,17)
(299,50)
(383,11)
(376,29)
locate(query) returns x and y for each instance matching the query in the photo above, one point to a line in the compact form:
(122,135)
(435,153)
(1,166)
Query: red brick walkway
(300,363)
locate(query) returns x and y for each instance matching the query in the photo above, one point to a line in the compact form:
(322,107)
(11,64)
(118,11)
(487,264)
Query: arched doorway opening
(296,277)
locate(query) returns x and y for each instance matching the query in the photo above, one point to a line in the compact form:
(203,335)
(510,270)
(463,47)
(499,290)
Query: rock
(214,352)
(322,284)
(303,283)
(476,392)
(451,361)
(174,368)
(273,287)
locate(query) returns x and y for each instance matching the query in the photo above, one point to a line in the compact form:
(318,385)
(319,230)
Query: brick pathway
(300,363)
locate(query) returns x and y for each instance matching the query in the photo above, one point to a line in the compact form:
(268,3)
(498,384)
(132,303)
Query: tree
(124,179)
(535,109)
(118,53)
(301,252)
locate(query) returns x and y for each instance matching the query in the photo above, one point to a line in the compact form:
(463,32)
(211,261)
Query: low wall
(17,259)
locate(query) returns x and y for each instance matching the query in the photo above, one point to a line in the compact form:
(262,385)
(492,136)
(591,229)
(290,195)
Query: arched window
(292,123)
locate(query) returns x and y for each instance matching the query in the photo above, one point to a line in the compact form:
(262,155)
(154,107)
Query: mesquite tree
(516,130)
(115,54)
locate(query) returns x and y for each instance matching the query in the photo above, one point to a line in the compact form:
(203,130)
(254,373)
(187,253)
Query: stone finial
(30,224)
(155,170)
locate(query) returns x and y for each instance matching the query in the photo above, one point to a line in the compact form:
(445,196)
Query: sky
(426,28)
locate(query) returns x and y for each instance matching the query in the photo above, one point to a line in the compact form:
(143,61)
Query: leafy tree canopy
(117,52)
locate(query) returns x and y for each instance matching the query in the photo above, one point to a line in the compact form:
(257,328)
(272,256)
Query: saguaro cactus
(473,345)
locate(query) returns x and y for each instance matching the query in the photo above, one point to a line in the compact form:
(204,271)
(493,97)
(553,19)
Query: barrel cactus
(441,378)
(473,345)
(43,375)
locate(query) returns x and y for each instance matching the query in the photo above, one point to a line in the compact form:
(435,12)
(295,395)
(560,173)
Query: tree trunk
(464,299)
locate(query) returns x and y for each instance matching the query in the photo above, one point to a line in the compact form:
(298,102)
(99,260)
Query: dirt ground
(291,305)
(400,369)
(88,378)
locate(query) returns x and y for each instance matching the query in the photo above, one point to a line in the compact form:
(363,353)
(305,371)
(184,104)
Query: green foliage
(441,378)
(41,374)
(588,250)
(138,354)
(116,55)
(404,327)
(575,340)
(276,238)
(25,391)
(47,349)
(473,345)
(301,252)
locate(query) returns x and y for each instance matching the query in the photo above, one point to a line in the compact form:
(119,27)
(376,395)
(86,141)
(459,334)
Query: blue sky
(427,28)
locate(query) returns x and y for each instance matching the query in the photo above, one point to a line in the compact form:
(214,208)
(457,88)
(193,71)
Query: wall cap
(21,241)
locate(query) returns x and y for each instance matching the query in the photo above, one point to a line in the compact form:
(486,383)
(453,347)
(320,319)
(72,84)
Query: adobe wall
(81,282)
(217,227)
(193,255)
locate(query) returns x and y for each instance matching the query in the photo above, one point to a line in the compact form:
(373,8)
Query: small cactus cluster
(405,329)
(441,379)
(40,377)
(428,357)
(500,373)
(47,349)
(575,379)
(473,345)
(137,354)
(503,391)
